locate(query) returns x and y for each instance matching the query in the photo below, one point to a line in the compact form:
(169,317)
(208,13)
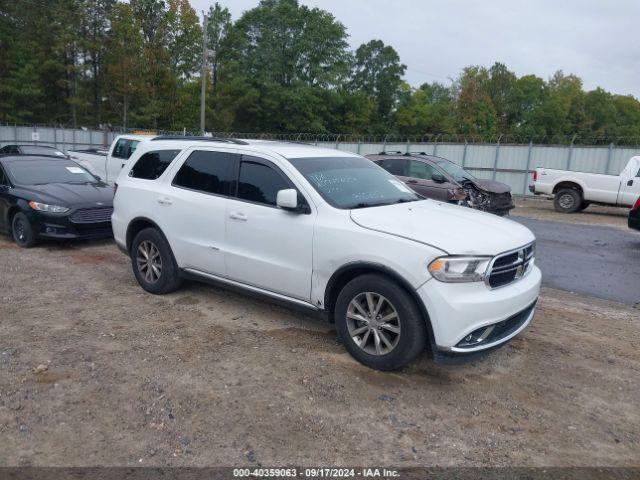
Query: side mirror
(438,178)
(287,199)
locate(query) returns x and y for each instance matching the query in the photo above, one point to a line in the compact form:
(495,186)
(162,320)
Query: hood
(492,186)
(70,194)
(455,230)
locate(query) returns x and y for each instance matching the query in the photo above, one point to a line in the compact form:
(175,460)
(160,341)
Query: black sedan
(43,197)
(32,150)
(634,216)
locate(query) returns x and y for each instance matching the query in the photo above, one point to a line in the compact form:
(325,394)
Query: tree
(377,72)
(219,26)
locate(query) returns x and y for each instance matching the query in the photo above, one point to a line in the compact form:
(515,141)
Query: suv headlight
(43,207)
(459,269)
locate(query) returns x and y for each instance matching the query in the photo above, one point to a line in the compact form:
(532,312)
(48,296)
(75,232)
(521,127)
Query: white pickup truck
(575,191)
(107,164)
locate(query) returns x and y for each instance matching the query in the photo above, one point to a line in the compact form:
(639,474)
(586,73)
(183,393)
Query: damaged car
(441,179)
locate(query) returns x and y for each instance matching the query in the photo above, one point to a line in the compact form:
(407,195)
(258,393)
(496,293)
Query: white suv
(332,232)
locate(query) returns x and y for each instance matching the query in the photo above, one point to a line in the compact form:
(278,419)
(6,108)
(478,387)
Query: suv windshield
(353,182)
(41,172)
(458,173)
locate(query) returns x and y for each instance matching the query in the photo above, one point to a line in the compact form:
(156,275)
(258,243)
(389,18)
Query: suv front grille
(92,215)
(508,267)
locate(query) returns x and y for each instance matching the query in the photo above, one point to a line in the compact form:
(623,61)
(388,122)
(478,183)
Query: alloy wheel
(149,261)
(20,228)
(373,323)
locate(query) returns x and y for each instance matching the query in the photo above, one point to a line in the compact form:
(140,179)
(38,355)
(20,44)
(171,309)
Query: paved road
(598,261)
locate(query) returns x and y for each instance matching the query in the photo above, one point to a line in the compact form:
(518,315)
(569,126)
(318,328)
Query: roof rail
(200,139)
(390,152)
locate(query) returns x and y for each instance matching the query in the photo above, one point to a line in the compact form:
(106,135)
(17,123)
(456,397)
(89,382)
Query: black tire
(407,344)
(583,206)
(22,231)
(567,200)
(164,276)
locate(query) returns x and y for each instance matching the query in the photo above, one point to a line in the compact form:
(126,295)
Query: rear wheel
(153,263)
(22,231)
(379,323)
(567,200)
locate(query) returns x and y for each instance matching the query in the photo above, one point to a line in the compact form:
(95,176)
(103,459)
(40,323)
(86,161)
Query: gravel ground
(95,372)
(541,208)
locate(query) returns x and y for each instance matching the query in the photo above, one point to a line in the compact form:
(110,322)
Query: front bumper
(61,227)
(458,310)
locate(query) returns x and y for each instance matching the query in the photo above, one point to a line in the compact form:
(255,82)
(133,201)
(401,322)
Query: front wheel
(22,231)
(153,263)
(379,323)
(567,200)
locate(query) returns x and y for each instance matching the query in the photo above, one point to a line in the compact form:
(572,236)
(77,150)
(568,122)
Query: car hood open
(453,229)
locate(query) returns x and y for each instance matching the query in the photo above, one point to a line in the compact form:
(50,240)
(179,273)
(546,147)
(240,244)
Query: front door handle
(412,181)
(238,216)
(165,201)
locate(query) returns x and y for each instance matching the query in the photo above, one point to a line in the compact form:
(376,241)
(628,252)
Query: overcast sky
(597,40)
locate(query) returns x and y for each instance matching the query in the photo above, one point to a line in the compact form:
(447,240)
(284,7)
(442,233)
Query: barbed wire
(388,139)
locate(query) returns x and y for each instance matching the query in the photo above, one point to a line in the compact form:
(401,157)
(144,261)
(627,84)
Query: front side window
(421,170)
(152,165)
(42,172)
(353,182)
(259,183)
(395,166)
(209,172)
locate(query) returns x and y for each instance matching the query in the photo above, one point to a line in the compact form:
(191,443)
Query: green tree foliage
(377,72)
(280,67)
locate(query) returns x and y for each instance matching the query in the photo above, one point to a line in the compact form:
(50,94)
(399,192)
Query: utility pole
(204,72)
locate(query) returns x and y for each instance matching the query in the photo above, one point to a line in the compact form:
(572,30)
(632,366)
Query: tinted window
(48,171)
(5,149)
(395,166)
(421,170)
(211,172)
(3,179)
(259,183)
(153,164)
(353,182)
(124,148)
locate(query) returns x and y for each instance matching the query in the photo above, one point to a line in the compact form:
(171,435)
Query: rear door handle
(412,181)
(630,183)
(238,216)
(165,201)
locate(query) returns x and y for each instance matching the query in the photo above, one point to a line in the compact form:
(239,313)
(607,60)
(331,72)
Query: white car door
(193,208)
(268,247)
(630,183)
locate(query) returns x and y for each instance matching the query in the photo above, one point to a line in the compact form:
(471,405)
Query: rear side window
(3,178)
(153,164)
(210,172)
(124,148)
(259,183)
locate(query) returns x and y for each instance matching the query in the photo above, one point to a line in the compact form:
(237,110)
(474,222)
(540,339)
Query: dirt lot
(541,208)
(207,377)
